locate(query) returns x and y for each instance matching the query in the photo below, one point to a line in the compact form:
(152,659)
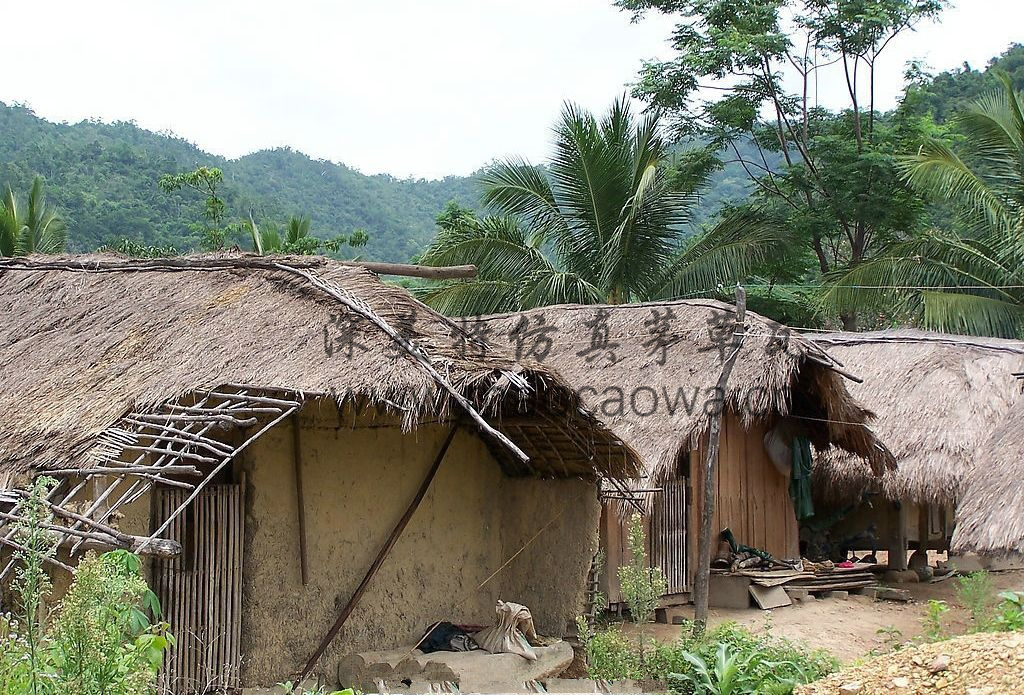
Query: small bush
(1010,615)
(976,594)
(642,585)
(98,641)
(933,629)
(762,664)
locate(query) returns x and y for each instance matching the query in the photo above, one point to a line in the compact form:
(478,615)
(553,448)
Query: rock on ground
(980,664)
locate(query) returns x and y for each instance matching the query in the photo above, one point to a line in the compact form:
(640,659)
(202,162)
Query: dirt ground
(850,628)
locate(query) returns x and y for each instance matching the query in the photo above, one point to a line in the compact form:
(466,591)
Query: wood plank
(770,597)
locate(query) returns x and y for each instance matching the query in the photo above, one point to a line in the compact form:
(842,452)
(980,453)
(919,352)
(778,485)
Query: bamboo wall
(751,498)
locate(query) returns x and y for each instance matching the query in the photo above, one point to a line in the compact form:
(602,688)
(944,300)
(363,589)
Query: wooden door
(668,534)
(201,590)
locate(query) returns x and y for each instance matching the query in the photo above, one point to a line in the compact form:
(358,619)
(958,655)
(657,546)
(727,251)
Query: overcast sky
(418,88)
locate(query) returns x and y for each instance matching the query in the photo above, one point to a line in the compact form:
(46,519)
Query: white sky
(409,87)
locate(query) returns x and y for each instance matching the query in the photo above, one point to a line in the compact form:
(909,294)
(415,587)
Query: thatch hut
(990,513)
(938,399)
(268,421)
(650,371)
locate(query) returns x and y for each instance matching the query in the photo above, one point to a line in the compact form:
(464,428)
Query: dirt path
(850,628)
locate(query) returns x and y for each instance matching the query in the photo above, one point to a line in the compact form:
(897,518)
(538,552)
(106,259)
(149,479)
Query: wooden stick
(164,548)
(379,560)
(452,272)
(176,454)
(127,470)
(50,560)
(187,264)
(217,469)
(177,417)
(297,461)
(246,398)
(703,578)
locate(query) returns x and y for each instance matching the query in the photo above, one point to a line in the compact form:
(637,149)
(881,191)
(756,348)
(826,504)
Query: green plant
(933,630)
(967,280)
(642,585)
(601,223)
(33,228)
(764,664)
(732,672)
(1010,615)
(99,639)
(976,594)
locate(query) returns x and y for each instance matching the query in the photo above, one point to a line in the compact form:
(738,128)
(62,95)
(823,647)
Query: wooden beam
(297,460)
(381,556)
(703,578)
(454,272)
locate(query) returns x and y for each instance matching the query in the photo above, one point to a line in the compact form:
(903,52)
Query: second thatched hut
(650,372)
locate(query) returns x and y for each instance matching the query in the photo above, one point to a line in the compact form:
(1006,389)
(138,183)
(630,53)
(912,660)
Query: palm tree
(972,281)
(600,224)
(34,228)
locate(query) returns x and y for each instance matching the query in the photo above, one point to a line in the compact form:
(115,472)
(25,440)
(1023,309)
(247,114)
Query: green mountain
(103,177)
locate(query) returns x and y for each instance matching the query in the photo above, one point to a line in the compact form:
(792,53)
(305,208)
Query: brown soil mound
(982,664)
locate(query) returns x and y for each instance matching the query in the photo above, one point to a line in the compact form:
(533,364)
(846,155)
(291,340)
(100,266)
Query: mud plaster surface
(357,483)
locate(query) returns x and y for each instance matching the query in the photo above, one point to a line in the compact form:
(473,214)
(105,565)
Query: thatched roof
(938,398)
(778,373)
(990,515)
(86,339)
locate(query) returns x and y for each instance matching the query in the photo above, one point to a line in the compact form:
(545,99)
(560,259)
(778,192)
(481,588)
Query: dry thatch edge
(497,382)
(661,465)
(935,467)
(990,513)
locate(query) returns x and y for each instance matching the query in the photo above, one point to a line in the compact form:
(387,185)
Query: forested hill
(104,177)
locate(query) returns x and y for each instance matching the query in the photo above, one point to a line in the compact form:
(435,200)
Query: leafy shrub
(642,585)
(933,630)
(729,658)
(976,594)
(98,641)
(1010,615)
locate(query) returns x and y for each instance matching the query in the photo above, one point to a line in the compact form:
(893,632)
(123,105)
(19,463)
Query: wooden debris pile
(813,578)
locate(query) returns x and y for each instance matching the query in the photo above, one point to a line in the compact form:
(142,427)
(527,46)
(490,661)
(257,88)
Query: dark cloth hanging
(800,481)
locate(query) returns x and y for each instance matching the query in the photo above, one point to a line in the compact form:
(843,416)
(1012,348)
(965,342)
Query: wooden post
(923,524)
(703,577)
(898,551)
(381,556)
(297,460)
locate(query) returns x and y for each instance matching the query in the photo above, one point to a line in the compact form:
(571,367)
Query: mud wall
(358,477)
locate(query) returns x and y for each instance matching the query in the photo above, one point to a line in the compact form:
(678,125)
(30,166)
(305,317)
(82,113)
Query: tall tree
(971,281)
(600,223)
(829,177)
(35,227)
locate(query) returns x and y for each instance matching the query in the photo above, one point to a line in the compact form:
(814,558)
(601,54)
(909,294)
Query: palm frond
(956,312)
(473,298)
(516,188)
(552,286)
(724,255)
(938,171)
(499,247)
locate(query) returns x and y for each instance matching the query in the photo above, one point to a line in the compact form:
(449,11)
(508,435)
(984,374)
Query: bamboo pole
(379,560)
(703,578)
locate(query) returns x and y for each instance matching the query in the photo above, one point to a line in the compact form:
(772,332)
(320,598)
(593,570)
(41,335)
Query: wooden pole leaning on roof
(703,579)
(379,560)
